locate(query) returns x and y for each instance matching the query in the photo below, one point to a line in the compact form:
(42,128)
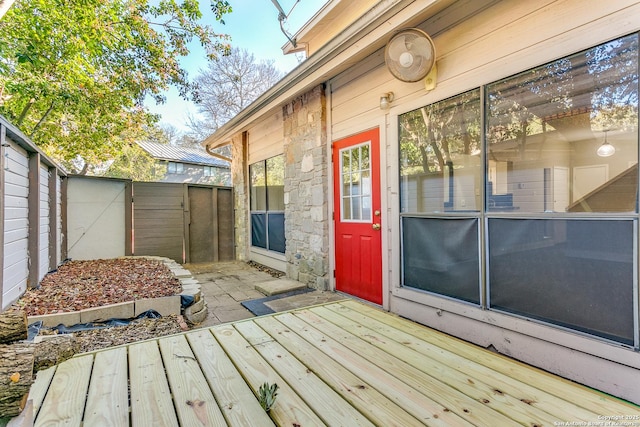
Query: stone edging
(168,305)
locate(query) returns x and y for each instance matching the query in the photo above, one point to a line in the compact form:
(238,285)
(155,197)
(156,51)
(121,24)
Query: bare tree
(228,85)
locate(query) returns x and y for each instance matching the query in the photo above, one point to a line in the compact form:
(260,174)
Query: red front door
(356,165)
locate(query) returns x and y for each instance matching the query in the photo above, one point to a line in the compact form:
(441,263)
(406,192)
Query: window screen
(573,273)
(441,255)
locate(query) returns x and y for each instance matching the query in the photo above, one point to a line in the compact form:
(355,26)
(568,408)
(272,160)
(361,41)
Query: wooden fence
(113,217)
(47,216)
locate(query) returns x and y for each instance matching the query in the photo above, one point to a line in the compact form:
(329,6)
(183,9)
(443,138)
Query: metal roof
(181,154)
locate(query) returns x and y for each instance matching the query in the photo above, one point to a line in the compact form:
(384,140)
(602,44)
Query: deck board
(290,408)
(39,388)
(529,400)
(473,411)
(65,399)
(107,402)
(234,396)
(342,363)
(570,400)
(192,397)
(481,385)
(331,407)
(151,403)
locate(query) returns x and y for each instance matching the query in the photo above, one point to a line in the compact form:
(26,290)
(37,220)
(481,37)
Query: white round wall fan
(410,55)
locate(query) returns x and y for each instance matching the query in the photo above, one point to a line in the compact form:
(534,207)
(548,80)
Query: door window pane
(572,273)
(549,130)
(440,164)
(356,183)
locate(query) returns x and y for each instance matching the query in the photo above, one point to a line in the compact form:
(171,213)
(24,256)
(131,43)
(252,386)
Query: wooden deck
(339,364)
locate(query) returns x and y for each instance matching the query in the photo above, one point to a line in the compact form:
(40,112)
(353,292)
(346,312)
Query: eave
(364,37)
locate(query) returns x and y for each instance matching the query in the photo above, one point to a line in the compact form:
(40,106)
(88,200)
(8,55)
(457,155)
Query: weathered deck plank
(107,402)
(192,397)
(151,403)
(65,399)
(343,363)
(236,400)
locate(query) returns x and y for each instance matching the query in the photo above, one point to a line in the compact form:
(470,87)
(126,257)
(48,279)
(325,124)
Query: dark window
(441,255)
(573,273)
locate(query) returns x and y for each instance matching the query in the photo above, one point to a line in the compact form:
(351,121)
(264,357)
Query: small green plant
(267,395)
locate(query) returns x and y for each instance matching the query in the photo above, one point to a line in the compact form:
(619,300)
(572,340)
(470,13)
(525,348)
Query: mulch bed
(78,285)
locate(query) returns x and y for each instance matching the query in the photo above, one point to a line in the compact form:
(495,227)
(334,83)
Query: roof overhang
(364,37)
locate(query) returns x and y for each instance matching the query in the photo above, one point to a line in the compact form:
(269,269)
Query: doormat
(258,307)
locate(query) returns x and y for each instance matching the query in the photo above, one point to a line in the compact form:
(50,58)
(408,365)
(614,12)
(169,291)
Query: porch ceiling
(343,363)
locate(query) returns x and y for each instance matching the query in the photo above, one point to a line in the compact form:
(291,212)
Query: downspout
(216,155)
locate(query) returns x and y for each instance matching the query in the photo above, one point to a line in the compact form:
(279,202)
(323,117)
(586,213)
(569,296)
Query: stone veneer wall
(241,200)
(305,189)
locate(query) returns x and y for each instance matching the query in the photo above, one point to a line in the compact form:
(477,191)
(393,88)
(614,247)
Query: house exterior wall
(474,49)
(241,199)
(477,43)
(262,141)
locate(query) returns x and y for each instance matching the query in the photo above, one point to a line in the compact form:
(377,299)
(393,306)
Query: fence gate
(187,223)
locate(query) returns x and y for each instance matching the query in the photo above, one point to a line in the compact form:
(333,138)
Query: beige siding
(266,137)
(506,38)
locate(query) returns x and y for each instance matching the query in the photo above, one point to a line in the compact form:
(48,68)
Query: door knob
(376,226)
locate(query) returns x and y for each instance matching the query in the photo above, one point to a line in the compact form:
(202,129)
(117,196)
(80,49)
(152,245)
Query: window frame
(484,215)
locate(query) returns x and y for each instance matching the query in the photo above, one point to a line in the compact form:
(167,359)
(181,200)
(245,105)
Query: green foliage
(134,163)
(74,74)
(267,395)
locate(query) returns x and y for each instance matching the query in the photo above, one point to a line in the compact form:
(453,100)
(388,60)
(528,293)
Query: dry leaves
(78,285)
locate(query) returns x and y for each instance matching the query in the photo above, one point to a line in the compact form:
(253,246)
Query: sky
(253,25)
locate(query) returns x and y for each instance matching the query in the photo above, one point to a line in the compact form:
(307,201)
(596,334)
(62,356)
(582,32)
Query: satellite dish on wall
(410,56)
